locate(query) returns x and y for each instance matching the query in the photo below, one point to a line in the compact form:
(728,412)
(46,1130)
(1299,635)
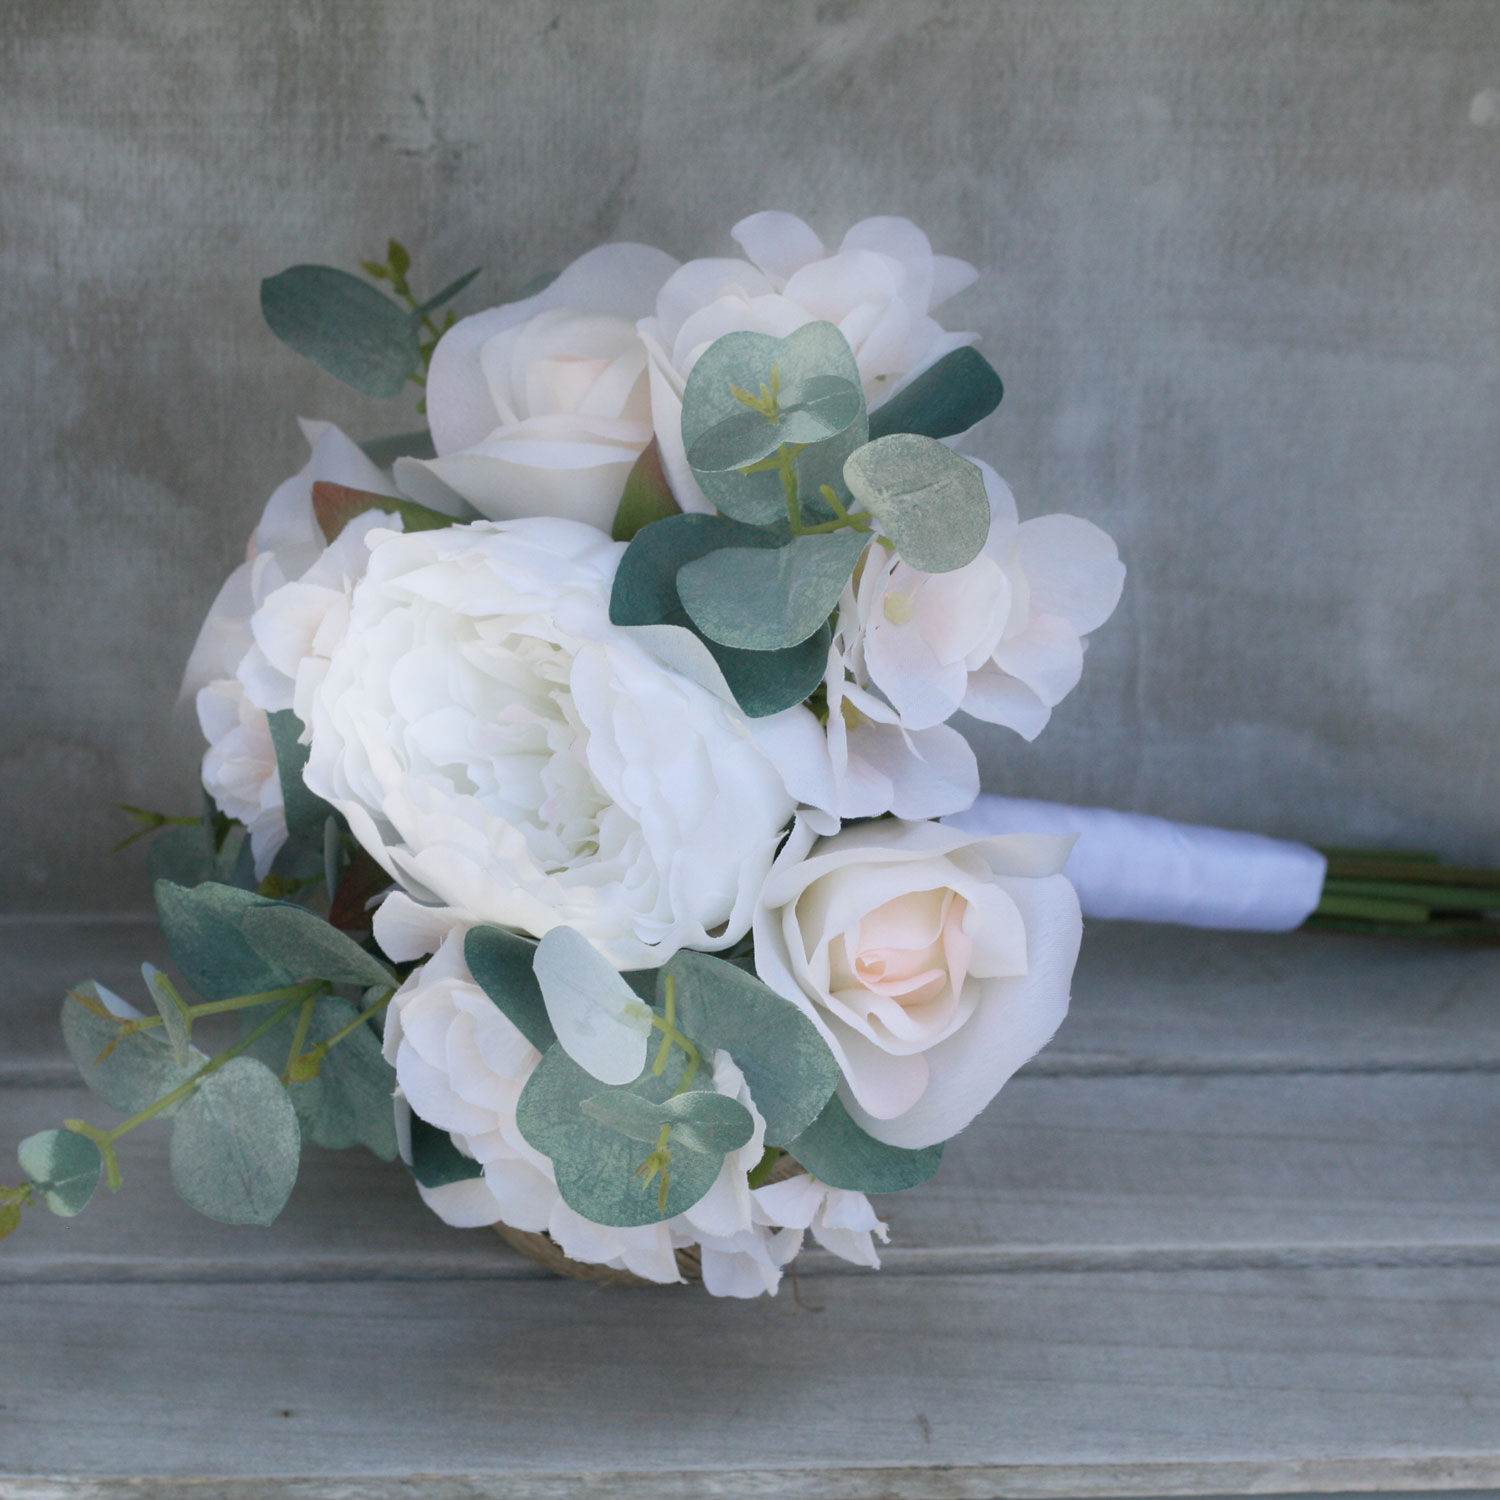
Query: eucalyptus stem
(105,1139)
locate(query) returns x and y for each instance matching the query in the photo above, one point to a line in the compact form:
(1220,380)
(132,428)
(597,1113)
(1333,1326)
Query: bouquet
(575,772)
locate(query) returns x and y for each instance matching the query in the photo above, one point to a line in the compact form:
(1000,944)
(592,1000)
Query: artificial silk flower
(1001,638)
(227,674)
(461,1066)
(541,407)
(934,962)
(508,754)
(879,289)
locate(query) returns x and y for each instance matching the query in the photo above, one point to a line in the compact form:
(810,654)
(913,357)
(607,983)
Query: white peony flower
(507,753)
(1001,638)
(540,407)
(879,289)
(934,962)
(461,1065)
(239,767)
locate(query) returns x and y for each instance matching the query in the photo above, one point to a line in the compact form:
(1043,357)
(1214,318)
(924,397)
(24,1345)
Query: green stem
(299,1036)
(303,992)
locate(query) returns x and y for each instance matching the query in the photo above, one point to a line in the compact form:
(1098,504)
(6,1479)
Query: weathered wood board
(1237,1231)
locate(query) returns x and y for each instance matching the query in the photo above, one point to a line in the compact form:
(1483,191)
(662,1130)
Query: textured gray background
(1243,282)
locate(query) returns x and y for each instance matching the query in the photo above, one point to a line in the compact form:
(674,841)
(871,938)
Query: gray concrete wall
(1243,284)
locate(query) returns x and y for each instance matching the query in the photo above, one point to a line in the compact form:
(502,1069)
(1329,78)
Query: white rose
(879,290)
(461,1065)
(1002,638)
(239,767)
(934,962)
(540,407)
(507,753)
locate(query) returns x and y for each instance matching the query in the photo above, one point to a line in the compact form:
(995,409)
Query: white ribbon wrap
(1140,869)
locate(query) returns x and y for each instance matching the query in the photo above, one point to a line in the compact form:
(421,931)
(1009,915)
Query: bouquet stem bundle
(1397,894)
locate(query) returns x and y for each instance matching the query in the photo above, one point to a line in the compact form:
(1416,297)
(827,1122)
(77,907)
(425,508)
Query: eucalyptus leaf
(645,587)
(711,1123)
(835,1150)
(788,1066)
(343,324)
(645,593)
(435,1160)
(335,505)
(501,963)
(303,944)
(600,1022)
(647,498)
(598,1167)
(928,500)
(126,1072)
(812,379)
(234,862)
(236,1145)
(64,1169)
(231,942)
(761,599)
(349,1103)
(946,399)
(175,1020)
(306,812)
(182,855)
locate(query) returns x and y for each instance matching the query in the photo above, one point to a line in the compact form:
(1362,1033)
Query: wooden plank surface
(1247,1243)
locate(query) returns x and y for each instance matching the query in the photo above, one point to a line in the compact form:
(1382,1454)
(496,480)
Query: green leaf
(171,1007)
(236,1146)
(645,593)
(597,1166)
(384,451)
(501,963)
(302,944)
(701,1121)
(64,1168)
(599,1020)
(182,855)
(335,505)
(234,863)
(126,1072)
(647,498)
(820,403)
(231,942)
(946,399)
(435,1160)
(448,293)
(345,325)
(10,1219)
(928,500)
(788,1066)
(834,1149)
(348,1102)
(761,599)
(306,812)
(766,682)
(397,257)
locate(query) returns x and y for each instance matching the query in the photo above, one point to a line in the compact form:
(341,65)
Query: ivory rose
(1002,638)
(934,963)
(461,1065)
(508,754)
(227,672)
(879,289)
(540,407)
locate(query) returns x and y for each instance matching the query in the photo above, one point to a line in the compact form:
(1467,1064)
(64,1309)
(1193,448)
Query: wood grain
(1248,1243)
